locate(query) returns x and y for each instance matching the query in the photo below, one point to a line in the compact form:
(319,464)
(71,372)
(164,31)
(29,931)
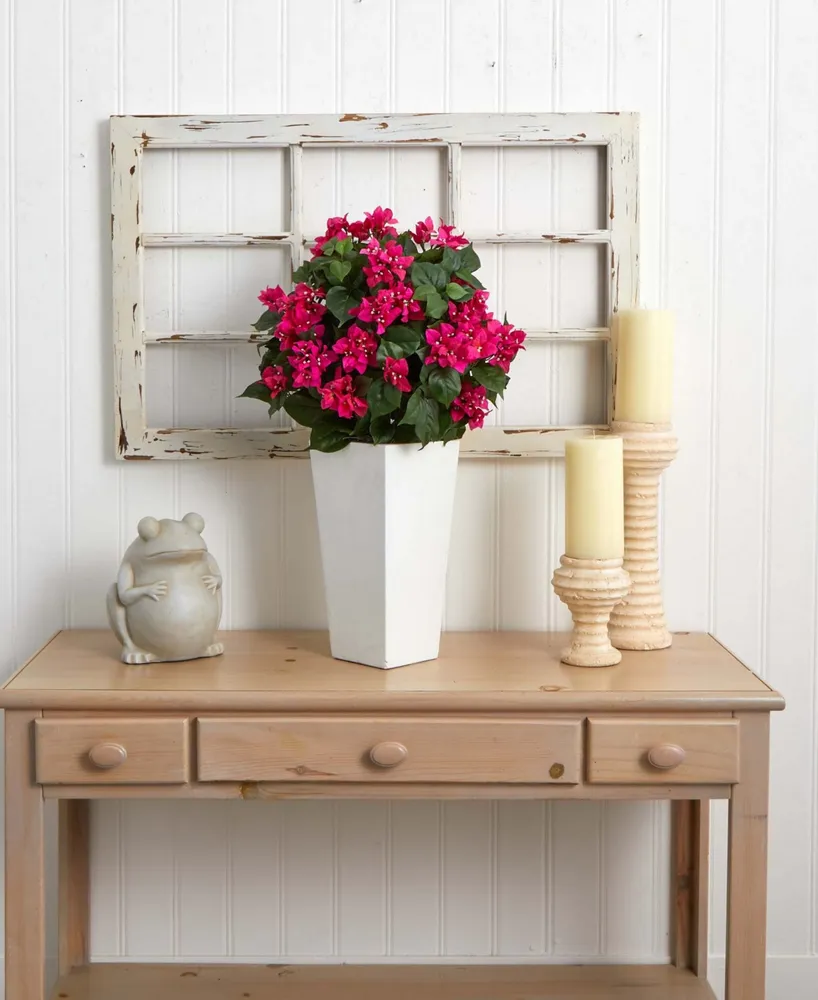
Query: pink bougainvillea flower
(386,263)
(449,349)
(424,231)
(338,226)
(359,230)
(395,372)
(274,298)
(339,395)
(309,359)
(274,378)
(483,343)
(473,310)
(356,349)
(378,309)
(446,238)
(301,312)
(379,222)
(471,405)
(510,343)
(387,306)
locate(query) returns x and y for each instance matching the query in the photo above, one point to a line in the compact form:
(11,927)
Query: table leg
(691,875)
(747,863)
(25,878)
(74,843)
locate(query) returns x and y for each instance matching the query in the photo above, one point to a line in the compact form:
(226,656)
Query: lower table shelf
(380,982)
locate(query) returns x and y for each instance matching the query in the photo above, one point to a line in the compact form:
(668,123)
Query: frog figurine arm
(121,596)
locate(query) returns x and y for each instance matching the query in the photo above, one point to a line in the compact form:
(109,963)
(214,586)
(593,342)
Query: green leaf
(436,306)
(433,254)
(382,430)
(454,431)
(343,246)
(256,390)
(275,405)
(424,291)
(408,244)
(471,262)
(469,278)
(387,350)
(422,414)
(383,398)
(339,269)
(428,274)
(361,428)
(329,437)
(457,292)
(266,321)
(304,409)
(339,302)
(452,259)
(444,384)
(328,249)
(405,338)
(405,435)
(490,376)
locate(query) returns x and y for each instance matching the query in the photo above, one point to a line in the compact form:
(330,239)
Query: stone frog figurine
(167,602)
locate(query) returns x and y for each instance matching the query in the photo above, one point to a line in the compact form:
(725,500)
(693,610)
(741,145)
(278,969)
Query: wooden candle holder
(639,621)
(590,588)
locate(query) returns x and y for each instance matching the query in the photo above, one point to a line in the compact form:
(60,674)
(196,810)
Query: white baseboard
(789,977)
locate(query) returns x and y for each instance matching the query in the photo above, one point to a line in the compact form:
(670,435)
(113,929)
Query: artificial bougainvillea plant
(385,338)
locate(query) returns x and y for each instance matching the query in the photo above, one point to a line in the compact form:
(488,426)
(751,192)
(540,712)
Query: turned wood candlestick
(639,621)
(590,588)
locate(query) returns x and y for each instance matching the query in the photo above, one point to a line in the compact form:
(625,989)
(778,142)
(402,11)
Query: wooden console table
(497,716)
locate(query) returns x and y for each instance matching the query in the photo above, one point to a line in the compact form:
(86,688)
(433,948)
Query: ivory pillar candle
(594,511)
(644,366)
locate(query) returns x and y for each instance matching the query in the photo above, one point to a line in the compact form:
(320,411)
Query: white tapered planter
(384,521)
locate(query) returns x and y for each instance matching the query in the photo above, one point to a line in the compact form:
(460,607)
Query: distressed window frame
(132,135)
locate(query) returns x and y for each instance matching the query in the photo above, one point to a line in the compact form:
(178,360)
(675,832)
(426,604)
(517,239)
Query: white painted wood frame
(131,136)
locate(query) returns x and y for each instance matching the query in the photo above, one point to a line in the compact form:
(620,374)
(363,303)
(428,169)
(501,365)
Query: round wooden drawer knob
(666,756)
(107,755)
(388,754)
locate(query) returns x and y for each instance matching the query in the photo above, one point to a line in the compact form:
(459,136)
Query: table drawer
(636,751)
(388,749)
(111,751)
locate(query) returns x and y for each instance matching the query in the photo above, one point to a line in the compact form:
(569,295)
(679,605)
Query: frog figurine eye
(148,528)
(195,521)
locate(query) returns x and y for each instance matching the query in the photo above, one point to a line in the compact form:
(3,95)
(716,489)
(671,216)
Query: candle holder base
(639,621)
(590,588)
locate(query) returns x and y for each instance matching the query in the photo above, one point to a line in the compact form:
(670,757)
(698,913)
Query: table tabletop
(293,670)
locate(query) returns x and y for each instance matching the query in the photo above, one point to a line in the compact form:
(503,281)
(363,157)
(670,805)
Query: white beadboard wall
(728,91)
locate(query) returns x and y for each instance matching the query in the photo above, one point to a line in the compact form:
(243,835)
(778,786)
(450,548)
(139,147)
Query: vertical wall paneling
(93,57)
(41,266)
(692,108)
(415,864)
(469,881)
(254,903)
(8,358)
(8,345)
(309,879)
(729,155)
(361,908)
(577,865)
(148,905)
(522,888)
(788,654)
